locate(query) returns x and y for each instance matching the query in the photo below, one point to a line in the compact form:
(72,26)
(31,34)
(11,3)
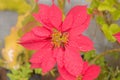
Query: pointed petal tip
(55,16)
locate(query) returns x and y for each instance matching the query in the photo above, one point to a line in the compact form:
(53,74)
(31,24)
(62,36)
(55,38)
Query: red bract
(88,73)
(58,41)
(117,36)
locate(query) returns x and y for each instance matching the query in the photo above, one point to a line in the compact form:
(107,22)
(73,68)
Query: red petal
(80,15)
(48,61)
(85,67)
(85,44)
(42,15)
(92,73)
(117,36)
(30,41)
(35,45)
(37,57)
(41,32)
(60,78)
(45,57)
(82,43)
(67,24)
(59,55)
(33,40)
(65,75)
(73,44)
(29,37)
(35,65)
(85,25)
(55,16)
(73,61)
(75,32)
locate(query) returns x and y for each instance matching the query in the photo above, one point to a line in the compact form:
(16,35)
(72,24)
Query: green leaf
(104,7)
(89,11)
(100,20)
(38,71)
(114,28)
(101,61)
(94,4)
(21,74)
(88,56)
(107,5)
(108,33)
(118,78)
(21,6)
(112,2)
(116,14)
(28,19)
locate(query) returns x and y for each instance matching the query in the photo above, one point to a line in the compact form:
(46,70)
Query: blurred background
(17,14)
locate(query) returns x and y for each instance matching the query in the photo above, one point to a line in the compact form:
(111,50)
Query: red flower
(117,36)
(88,73)
(58,41)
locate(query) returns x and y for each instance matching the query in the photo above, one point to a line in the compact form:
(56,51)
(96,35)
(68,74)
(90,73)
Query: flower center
(79,78)
(59,39)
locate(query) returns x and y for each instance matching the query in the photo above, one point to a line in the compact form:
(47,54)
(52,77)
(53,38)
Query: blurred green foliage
(23,73)
(106,14)
(25,9)
(109,31)
(89,56)
(107,72)
(38,71)
(21,6)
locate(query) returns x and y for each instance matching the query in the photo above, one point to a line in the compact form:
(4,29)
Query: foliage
(109,31)
(26,21)
(14,55)
(107,72)
(20,6)
(38,71)
(11,50)
(106,13)
(89,56)
(23,73)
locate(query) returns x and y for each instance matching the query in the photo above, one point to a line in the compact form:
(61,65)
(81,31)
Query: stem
(107,17)
(103,54)
(53,72)
(61,4)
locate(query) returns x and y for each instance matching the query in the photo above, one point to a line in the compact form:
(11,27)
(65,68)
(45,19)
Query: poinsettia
(117,36)
(58,41)
(89,72)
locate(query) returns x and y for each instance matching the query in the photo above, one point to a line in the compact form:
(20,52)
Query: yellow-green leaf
(20,6)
